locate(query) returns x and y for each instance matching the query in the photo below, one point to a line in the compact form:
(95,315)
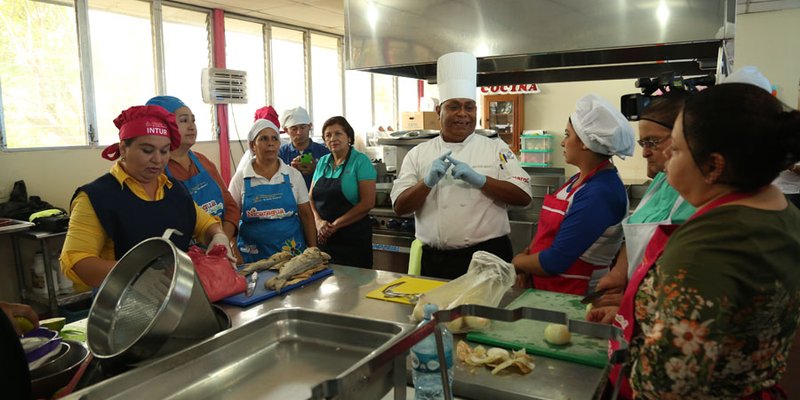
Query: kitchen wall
(771,41)
(550,109)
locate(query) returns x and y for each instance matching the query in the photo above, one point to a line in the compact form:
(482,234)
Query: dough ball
(476,323)
(557,334)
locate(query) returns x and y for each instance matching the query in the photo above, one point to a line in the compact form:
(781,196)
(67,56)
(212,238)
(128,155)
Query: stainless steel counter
(345,292)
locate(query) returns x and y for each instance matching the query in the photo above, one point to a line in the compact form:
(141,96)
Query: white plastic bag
(485,282)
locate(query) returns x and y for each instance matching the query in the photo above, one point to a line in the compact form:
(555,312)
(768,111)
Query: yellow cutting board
(409,285)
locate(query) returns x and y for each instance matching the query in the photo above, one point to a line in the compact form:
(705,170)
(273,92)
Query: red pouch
(216,273)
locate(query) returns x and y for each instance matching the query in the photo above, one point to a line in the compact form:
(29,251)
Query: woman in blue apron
(197,172)
(276,214)
(342,193)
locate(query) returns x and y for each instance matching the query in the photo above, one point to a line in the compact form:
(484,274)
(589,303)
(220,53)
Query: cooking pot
(150,304)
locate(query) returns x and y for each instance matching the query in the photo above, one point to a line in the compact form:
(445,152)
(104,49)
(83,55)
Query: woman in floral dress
(715,315)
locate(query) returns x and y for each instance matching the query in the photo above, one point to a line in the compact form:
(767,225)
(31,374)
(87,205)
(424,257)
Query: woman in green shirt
(661,204)
(342,193)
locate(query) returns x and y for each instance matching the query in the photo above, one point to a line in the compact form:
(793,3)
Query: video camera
(633,104)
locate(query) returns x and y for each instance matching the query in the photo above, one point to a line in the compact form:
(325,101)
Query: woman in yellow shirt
(134,201)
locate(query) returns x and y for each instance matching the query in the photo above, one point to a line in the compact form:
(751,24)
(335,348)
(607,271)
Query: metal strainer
(150,304)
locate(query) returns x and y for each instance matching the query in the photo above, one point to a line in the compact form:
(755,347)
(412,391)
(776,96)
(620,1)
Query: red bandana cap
(144,121)
(268,113)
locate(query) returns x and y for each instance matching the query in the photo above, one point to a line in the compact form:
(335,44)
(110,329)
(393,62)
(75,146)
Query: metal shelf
(61,299)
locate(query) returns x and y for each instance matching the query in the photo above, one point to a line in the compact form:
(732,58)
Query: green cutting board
(529,334)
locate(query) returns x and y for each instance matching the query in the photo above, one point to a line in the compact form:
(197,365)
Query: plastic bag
(216,273)
(485,282)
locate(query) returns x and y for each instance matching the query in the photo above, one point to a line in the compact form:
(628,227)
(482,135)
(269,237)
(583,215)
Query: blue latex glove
(439,167)
(463,171)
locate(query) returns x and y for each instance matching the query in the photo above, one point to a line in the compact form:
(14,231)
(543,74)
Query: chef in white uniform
(459,184)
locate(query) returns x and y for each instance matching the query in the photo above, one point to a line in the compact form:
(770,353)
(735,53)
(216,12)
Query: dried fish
(311,259)
(274,261)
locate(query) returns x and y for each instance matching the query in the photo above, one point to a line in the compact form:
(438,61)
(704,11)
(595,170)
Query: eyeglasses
(651,143)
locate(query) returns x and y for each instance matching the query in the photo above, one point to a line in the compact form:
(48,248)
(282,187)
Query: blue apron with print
(270,222)
(204,190)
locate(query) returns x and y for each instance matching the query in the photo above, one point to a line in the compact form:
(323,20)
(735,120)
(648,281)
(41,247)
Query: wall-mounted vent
(224,86)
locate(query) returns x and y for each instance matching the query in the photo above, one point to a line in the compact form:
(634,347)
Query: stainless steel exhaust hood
(538,41)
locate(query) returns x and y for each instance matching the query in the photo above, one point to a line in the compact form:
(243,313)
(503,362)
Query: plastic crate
(541,142)
(535,158)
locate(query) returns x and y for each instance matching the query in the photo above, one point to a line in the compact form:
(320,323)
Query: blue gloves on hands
(463,171)
(439,167)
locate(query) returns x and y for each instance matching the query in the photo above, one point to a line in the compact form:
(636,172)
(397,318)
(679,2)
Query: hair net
(751,75)
(601,127)
(259,126)
(168,103)
(295,116)
(144,121)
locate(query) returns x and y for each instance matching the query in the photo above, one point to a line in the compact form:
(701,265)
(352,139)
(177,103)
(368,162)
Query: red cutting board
(529,334)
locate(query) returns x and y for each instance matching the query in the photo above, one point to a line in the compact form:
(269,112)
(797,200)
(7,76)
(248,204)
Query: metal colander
(150,304)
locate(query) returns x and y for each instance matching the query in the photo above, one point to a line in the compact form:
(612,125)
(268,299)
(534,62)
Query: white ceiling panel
(323,15)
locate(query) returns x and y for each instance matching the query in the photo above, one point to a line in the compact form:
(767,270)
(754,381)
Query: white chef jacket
(456,214)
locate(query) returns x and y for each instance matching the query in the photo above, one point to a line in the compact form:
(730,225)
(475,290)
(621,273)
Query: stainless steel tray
(280,355)
(347,385)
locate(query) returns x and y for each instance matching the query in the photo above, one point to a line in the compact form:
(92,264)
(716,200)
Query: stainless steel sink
(281,355)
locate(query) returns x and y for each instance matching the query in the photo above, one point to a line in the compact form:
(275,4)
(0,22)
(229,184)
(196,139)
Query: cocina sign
(510,89)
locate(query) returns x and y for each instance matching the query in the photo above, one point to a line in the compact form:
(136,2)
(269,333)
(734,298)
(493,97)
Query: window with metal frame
(326,79)
(40,98)
(186,53)
(244,50)
(288,69)
(122,60)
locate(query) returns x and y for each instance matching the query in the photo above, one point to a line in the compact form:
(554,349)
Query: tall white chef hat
(601,127)
(751,75)
(456,76)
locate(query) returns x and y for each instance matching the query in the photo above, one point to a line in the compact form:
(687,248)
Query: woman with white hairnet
(579,231)
(276,214)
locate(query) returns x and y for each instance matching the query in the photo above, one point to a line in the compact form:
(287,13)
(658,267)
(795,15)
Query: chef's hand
(14,310)
(603,315)
(222,239)
(439,167)
(615,283)
(463,171)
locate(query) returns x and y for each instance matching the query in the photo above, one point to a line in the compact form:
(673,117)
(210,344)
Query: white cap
(751,75)
(601,127)
(456,76)
(295,116)
(259,126)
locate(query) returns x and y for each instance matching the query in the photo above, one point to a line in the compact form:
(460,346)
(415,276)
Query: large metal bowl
(52,376)
(150,304)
